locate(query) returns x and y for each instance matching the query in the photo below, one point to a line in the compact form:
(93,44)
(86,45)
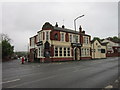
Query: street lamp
(75,25)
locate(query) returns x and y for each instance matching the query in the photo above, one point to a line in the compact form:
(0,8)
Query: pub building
(54,43)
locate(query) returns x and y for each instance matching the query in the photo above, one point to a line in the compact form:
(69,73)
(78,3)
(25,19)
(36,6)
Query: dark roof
(67,30)
(95,40)
(104,44)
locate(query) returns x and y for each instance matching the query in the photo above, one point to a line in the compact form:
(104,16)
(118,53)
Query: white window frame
(55,52)
(60,52)
(47,35)
(62,36)
(68,51)
(71,38)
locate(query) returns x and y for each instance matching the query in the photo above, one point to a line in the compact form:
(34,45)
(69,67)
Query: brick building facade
(54,43)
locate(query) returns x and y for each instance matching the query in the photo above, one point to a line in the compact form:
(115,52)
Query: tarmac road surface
(73,74)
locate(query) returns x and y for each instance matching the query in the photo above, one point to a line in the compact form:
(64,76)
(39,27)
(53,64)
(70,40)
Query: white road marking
(32,81)
(11,81)
(109,86)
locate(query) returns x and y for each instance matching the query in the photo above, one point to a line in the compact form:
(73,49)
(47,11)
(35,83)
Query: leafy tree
(114,39)
(96,38)
(7,48)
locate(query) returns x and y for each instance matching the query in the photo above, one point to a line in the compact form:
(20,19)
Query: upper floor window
(40,36)
(74,38)
(77,39)
(70,38)
(62,36)
(86,40)
(56,36)
(47,35)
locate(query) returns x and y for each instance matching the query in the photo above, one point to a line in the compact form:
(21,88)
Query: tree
(7,48)
(114,39)
(96,38)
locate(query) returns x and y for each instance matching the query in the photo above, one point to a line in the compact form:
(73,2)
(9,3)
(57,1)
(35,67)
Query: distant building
(54,43)
(113,48)
(99,49)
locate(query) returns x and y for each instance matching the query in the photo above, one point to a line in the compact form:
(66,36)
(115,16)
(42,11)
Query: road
(73,74)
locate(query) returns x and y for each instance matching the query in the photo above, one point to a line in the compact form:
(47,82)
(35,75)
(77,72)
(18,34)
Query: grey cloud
(23,20)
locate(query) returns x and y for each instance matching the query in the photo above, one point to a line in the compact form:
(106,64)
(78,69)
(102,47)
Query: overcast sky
(22,20)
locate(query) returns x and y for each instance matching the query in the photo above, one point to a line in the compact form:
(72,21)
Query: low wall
(113,54)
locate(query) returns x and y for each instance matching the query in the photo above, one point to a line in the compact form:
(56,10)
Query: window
(70,38)
(62,36)
(82,52)
(68,50)
(47,35)
(40,51)
(96,43)
(60,51)
(85,51)
(99,50)
(87,40)
(84,40)
(102,50)
(64,51)
(76,38)
(56,36)
(56,51)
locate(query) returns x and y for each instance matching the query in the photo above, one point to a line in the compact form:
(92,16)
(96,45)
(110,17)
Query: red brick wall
(66,37)
(53,33)
(113,54)
(61,59)
(52,50)
(85,58)
(81,39)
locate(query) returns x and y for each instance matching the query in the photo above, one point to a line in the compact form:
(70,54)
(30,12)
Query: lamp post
(75,24)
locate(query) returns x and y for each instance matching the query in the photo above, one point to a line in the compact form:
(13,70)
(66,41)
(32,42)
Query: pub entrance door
(77,53)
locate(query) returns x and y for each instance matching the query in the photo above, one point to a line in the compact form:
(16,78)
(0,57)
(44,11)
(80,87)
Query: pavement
(74,74)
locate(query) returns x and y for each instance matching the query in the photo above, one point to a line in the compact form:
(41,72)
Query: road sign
(39,43)
(76,44)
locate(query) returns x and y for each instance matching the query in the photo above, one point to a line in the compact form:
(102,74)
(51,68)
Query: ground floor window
(85,51)
(56,51)
(65,52)
(68,51)
(40,51)
(102,50)
(62,51)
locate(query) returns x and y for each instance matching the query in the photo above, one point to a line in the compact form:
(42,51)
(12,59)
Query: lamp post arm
(75,23)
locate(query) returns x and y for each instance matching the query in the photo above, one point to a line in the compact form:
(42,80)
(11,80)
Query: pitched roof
(104,44)
(67,30)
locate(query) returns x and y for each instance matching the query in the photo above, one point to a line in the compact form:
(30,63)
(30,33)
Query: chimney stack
(63,26)
(80,29)
(56,25)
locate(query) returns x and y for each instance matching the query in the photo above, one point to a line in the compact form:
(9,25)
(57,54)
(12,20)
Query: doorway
(77,53)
